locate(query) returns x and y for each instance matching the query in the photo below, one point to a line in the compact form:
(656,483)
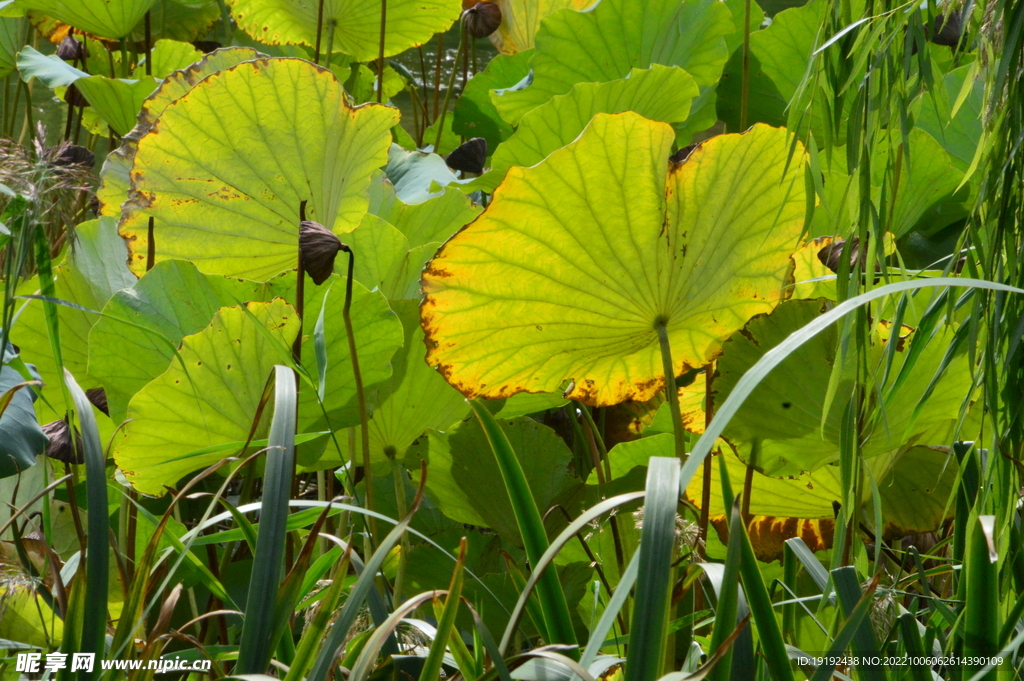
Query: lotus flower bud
(60,447)
(470,157)
(317,247)
(98,397)
(75,155)
(75,98)
(482,19)
(70,49)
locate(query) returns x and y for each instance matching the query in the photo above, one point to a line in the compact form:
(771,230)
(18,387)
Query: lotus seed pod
(98,397)
(60,447)
(74,154)
(469,157)
(70,49)
(482,19)
(318,247)
(75,98)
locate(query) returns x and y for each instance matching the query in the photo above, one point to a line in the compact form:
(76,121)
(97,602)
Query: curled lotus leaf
(354,23)
(579,260)
(226,167)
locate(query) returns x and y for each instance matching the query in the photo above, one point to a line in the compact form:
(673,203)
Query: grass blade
(360,592)
(863,642)
(254,651)
(981,613)
(728,598)
(531,527)
(654,583)
(94,626)
(446,622)
(763,613)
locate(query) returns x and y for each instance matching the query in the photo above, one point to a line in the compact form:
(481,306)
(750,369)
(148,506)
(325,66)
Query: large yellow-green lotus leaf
(226,166)
(114,177)
(578,260)
(104,18)
(215,401)
(356,23)
(784,413)
(616,36)
(660,93)
(520,20)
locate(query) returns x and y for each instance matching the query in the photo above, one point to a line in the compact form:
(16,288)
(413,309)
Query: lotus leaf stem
(671,394)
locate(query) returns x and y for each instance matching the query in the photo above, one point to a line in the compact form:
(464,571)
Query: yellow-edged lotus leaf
(520,20)
(355,23)
(211,396)
(616,36)
(578,260)
(114,177)
(103,18)
(225,168)
(783,415)
(660,93)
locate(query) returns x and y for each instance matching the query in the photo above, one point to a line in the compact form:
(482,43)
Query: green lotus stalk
(319,31)
(671,394)
(364,420)
(451,86)
(380,58)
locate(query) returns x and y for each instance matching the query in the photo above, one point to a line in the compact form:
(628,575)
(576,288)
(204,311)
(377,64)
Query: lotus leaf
(474,114)
(378,335)
(21,438)
(414,399)
(785,411)
(422,223)
(184,20)
(417,175)
(578,260)
(227,166)
(520,20)
(660,93)
(115,174)
(915,487)
(616,36)
(88,276)
(210,397)
(104,18)
(462,471)
(171,301)
(12,37)
(115,101)
(779,57)
(959,132)
(356,23)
